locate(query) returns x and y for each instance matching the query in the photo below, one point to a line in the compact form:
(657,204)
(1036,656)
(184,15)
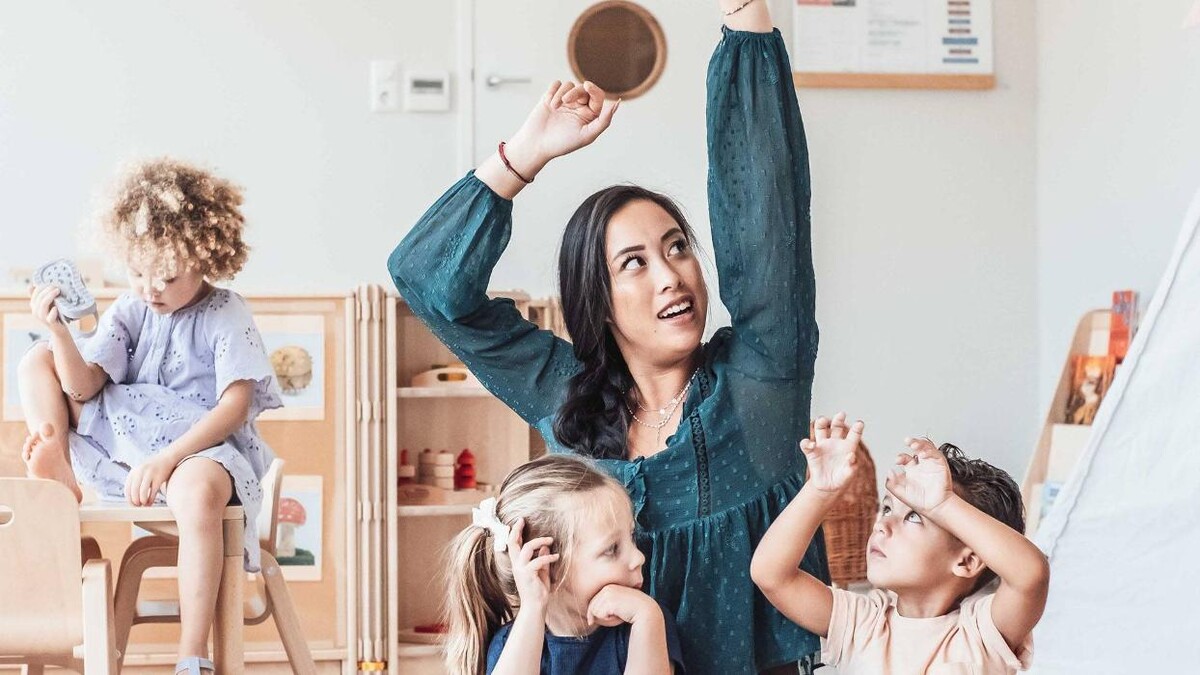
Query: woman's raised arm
(758,197)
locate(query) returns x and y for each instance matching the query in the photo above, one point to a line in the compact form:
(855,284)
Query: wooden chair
(45,618)
(269,596)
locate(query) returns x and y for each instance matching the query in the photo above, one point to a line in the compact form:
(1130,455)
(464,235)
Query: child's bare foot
(45,456)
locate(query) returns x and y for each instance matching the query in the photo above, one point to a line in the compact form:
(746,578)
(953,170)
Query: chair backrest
(41,598)
(268,517)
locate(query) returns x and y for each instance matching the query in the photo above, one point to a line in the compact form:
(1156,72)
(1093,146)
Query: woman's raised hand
(568,117)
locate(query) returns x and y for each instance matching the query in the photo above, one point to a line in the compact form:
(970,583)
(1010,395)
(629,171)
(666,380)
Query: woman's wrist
(524,156)
(508,175)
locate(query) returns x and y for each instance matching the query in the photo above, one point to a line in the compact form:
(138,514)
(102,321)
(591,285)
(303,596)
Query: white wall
(271,94)
(923,200)
(1118,117)
(926,264)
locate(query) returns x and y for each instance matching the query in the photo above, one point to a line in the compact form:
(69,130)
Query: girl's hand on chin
(615,605)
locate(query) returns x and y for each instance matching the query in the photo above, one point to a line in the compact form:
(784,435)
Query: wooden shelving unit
(1091,337)
(435,510)
(382,566)
(322,445)
(450,418)
(443,392)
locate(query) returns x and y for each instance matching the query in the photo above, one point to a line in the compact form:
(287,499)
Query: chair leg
(33,669)
(286,621)
(99,643)
(89,549)
(142,555)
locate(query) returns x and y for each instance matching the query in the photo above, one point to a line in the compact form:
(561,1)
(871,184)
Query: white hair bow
(485,517)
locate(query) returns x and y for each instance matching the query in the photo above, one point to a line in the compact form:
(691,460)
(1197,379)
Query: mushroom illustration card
(298,540)
(296,346)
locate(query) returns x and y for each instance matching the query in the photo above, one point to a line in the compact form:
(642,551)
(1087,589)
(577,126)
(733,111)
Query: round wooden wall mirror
(619,46)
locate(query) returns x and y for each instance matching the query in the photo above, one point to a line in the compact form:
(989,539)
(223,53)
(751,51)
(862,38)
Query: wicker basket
(848,524)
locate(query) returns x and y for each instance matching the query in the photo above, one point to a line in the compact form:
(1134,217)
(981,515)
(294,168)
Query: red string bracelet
(509,166)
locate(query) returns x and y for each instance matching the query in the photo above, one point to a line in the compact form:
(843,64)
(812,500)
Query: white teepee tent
(1124,534)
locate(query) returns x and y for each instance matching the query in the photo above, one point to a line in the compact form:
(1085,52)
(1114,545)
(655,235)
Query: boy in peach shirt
(946,528)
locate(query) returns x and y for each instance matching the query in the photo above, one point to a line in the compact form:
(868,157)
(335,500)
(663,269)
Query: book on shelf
(1124,323)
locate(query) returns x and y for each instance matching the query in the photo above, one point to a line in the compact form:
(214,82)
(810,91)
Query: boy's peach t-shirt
(867,636)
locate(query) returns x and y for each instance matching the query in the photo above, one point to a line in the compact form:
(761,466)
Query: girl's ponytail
(476,605)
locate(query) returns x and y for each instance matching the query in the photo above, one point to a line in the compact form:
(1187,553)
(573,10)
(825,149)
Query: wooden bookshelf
(451,418)
(1091,337)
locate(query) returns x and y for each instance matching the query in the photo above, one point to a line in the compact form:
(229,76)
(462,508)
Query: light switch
(386,86)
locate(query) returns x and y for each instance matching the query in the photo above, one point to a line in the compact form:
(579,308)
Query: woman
(703,436)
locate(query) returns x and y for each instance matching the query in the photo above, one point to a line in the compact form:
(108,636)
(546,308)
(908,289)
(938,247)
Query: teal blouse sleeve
(442,269)
(759,194)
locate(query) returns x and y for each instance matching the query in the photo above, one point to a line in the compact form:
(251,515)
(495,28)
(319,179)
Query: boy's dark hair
(988,489)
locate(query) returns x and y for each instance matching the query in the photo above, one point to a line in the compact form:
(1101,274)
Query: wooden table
(228,650)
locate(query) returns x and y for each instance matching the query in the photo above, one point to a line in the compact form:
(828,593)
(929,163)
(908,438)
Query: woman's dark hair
(593,420)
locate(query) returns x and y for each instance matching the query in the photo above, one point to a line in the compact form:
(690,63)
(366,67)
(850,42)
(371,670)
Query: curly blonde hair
(171,216)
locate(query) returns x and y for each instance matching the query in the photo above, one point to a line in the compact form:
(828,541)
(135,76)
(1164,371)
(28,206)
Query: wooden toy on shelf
(406,473)
(464,474)
(454,375)
(436,469)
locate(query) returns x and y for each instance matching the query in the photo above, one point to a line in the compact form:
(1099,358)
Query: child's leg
(49,415)
(197,492)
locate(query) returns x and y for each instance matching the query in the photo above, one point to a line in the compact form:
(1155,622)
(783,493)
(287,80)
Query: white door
(657,140)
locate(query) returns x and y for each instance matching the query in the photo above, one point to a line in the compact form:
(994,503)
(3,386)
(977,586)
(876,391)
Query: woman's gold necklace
(665,413)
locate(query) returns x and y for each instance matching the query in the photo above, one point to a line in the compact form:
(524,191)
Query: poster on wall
(296,346)
(298,543)
(892,37)
(21,331)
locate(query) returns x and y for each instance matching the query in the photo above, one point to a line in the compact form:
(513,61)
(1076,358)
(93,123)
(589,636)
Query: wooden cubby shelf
(436,510)
(443,392)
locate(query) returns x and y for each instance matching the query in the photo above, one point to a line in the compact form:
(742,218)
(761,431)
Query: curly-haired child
(159,405)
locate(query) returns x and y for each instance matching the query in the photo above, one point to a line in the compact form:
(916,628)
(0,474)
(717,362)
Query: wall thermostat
(427,91)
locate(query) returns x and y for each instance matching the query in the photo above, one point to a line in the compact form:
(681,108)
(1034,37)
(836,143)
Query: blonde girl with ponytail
(548,579)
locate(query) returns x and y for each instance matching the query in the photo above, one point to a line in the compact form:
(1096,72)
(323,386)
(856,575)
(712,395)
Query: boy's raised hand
(832,452)
(921,477)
